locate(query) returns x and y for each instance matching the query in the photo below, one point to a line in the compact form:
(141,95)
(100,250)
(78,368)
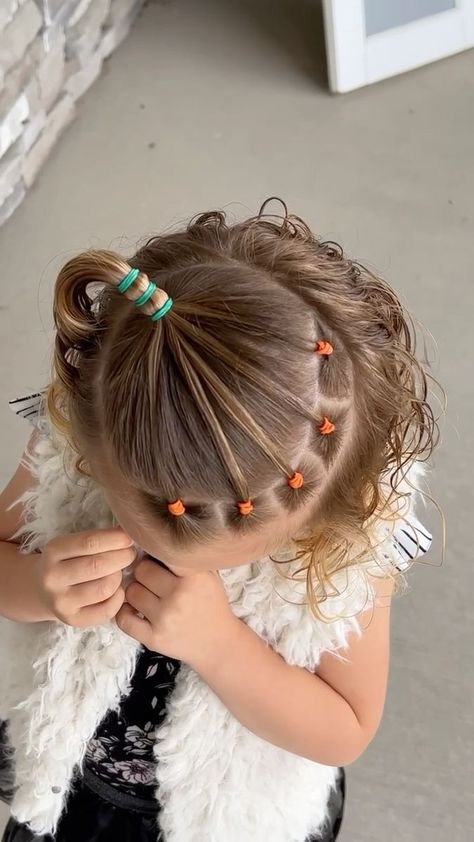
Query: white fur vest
(215,779)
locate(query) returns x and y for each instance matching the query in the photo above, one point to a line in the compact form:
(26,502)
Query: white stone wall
(51,51)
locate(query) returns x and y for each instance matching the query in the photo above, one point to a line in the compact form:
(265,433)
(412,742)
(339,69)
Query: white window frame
(355,59)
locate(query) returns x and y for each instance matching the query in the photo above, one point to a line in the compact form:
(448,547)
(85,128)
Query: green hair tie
(143,298)
(163,310)
(128,280)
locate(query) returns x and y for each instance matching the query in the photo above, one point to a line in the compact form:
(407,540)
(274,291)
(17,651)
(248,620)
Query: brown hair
(223,399)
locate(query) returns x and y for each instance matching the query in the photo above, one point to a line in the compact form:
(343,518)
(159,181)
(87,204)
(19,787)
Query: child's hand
(79,576)
(186,618)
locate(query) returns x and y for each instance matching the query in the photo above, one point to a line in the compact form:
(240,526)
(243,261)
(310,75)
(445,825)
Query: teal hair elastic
(143,298)
(128,280)
(162,311)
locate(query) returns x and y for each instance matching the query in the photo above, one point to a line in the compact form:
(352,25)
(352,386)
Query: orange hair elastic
(323,347)
(177,508)
(327,427)
(245,507)
(296,481)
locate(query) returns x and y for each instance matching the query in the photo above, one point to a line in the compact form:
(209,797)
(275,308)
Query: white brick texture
(51,52)
(18,34)
(60,117)
(11,126)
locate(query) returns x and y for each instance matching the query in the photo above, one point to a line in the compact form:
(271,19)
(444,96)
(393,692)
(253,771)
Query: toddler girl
(200,545)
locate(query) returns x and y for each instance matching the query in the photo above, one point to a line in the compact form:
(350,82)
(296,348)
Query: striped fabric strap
(411,540)
(28,407)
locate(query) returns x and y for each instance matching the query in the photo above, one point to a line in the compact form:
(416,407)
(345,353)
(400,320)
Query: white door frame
(355,60)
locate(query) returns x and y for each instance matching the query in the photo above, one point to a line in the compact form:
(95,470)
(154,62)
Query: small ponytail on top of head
(76,322)
(77,317)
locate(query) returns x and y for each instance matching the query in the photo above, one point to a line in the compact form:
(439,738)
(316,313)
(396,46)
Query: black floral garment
(121,752)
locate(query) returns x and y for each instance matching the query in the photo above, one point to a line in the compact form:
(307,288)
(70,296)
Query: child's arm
(18,595)
(329,717)
(76,578)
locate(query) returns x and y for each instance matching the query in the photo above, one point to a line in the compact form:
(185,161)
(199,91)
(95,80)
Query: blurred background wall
(51,51)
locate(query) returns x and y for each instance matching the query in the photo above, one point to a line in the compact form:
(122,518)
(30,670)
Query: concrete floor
(219,104)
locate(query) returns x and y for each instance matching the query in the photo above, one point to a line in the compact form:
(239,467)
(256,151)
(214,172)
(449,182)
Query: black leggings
(89,817)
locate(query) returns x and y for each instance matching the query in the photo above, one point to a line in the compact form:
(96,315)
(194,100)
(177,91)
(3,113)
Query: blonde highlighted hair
(223,400)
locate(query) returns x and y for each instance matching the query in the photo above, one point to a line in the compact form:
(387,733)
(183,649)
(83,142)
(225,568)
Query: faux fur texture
(215,779)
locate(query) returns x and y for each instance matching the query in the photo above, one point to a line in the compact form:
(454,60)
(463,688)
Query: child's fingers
(92,542)
(75,571)
(142,600)
(137,627)
(97,615)
(93,593)
(157,579)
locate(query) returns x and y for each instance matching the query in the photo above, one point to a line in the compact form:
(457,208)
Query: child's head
(270,401)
